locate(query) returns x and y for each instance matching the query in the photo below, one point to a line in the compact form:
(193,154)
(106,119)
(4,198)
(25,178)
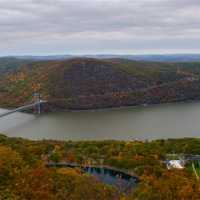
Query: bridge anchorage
(36,105)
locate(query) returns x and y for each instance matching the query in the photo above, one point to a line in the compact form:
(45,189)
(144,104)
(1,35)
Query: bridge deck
(21,108)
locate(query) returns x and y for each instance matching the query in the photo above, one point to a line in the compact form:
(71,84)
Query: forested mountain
(160,57)
(85,83)
(142,57)
(11,64)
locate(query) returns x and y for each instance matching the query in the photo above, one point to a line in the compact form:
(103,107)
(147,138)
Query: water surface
(118,179)
(153,122)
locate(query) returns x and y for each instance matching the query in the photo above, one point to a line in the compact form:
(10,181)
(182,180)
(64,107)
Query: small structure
(175,164)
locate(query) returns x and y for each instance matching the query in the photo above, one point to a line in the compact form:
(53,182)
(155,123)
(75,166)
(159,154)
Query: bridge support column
(38,106)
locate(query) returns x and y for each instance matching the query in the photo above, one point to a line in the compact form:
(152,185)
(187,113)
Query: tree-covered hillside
(85,83)
(11,64)
(24,174)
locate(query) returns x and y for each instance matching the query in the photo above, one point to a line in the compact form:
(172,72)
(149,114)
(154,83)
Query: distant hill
(166,57)
(147,57)
(88,83)
(46,58)
(11,64)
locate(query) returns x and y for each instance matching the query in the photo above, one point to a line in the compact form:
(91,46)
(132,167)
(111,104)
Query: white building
(175,164)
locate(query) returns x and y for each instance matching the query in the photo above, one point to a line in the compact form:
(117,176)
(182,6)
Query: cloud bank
(99,26)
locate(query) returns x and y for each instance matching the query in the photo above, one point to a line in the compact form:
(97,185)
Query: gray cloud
(99,26)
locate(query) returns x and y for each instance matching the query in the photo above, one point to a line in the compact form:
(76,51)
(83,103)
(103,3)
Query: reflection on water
(121,180)
(163,121)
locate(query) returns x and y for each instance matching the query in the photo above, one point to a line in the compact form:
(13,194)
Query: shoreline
(126,107)
(109,108)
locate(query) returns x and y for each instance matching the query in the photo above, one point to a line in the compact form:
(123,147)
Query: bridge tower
(37,97)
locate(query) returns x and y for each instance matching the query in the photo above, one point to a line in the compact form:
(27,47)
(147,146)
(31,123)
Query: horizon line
(97,54)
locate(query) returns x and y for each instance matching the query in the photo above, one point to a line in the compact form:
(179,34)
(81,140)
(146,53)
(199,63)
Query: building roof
(177,164)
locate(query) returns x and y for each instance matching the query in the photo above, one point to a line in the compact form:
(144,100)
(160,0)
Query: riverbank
(47,110)
(127,107)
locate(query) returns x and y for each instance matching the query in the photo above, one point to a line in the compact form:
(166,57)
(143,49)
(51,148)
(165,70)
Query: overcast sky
(43,27)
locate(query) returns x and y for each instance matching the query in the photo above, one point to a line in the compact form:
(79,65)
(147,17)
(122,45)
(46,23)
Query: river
(161,121)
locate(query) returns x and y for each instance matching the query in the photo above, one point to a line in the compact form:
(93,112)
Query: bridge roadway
(22,108)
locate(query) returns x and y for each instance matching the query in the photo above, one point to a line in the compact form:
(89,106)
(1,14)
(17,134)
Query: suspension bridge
(36,105)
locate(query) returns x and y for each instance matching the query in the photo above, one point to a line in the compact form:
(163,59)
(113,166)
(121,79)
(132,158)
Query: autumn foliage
(24,175)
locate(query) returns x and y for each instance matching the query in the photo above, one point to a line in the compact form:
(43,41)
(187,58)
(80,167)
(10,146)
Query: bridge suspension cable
(36,104)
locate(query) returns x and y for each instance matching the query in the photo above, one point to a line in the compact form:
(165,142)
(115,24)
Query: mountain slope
(11,64)
(85,83)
